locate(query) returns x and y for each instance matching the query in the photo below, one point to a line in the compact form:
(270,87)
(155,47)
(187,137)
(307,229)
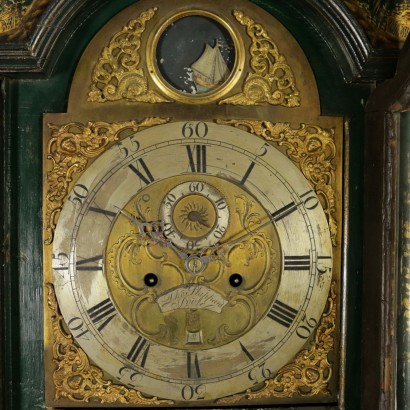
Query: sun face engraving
(194,216)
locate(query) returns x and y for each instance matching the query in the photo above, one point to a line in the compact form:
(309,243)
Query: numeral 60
(199,130)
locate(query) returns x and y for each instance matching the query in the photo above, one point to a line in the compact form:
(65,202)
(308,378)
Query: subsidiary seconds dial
(195,215)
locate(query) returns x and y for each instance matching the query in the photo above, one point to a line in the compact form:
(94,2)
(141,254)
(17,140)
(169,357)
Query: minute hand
(248,233)
(245,235)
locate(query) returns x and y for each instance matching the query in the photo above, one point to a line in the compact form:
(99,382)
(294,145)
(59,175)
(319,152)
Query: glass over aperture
(195,54)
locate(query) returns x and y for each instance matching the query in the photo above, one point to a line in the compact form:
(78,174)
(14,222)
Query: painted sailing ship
(210,70)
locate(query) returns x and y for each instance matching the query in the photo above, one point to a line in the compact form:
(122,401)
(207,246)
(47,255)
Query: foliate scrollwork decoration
(118,74)
(310,147)
(271,80)
(70,148)
(76,379)
(310,372)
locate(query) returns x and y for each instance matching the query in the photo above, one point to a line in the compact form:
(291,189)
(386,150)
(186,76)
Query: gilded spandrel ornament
(77,379)
(70,148)
(271,80)
(309,373)
(118,74)
(312,149)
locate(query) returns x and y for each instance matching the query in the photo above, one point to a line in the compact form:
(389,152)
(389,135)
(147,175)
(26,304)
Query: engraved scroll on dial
(185,309)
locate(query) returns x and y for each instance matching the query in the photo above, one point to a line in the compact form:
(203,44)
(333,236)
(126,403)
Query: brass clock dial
(198,261)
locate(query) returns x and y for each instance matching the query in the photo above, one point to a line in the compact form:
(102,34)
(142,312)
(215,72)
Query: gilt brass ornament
(271,80)
(76,378)
(312,148)
(118,73)
(70,148)
(309,373)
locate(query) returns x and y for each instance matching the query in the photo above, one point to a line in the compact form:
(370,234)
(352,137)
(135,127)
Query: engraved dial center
(190,302)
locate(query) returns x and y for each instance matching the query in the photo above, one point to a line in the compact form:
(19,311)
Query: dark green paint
(27,99)
(403,332)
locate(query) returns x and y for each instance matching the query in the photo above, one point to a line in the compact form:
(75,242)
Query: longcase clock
(192,217)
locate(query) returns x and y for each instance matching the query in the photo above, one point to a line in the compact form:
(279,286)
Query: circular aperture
(195,54)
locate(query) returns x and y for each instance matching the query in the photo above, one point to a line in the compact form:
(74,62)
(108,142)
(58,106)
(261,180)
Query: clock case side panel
(382,276)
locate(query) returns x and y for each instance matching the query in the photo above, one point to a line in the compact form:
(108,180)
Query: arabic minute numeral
(309,201)
(196,130)
(77,327)
(126,373)
(60,263)
(259,373)
(262,151)
(78,195)
(189,392)
(127,146)
(306,328)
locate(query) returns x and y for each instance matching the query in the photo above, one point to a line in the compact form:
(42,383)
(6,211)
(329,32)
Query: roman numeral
(247,173)
(193,369)
(282,313)
(102,313)
(89,264)
(285,211)
(301,262)
(197,157)
(139,351)
(246,352)
(111,215)
(145,174)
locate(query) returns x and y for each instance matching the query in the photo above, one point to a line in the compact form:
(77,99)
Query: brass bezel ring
(180,96)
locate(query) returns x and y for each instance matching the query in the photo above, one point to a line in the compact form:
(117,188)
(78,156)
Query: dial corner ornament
(191,261)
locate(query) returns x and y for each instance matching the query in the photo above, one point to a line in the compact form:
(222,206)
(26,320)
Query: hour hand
(154,231)
(144,228)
